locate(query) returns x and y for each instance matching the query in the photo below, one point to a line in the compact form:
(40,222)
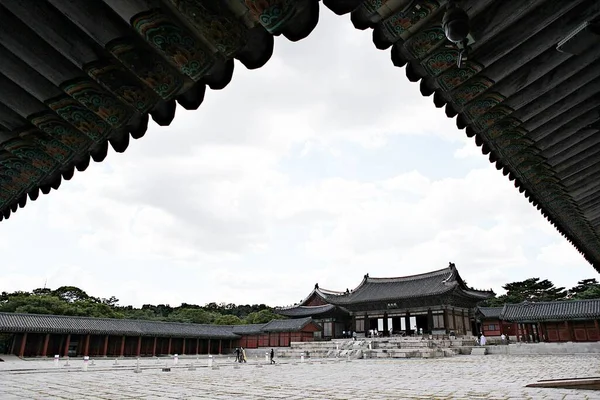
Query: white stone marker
(175,359)
(137,369)
(267,356)
(86,359)
(67,363)
(56,359)
(210,361)
(302,358)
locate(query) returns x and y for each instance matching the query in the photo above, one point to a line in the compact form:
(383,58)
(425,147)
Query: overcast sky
(322,166)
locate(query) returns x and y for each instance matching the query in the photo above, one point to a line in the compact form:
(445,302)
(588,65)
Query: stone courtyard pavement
(460,377)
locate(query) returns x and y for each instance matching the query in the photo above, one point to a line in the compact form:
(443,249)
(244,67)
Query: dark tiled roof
(252,329)
(41,323)
(10,322)
(429,284)
(552,311)
(490,312)
(306,311)
(286,325)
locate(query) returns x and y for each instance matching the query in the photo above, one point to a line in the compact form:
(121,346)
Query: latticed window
(360,325)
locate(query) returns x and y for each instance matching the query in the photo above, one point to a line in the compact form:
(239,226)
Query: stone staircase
(327,349)
(394,347)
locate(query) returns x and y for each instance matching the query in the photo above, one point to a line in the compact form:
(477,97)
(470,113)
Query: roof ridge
(423,275)
(82,317)
(526,302)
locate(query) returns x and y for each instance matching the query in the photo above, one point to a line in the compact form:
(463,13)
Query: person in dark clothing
(272,356)
(237,354)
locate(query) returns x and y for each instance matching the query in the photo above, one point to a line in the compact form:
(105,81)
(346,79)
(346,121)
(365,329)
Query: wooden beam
(105,349)
(67,344)
(86,346)
(23,344)
(122,353)
(45,346)
(543,134)
(575,154)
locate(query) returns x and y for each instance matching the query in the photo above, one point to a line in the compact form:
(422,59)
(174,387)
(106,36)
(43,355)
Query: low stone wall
(546,348)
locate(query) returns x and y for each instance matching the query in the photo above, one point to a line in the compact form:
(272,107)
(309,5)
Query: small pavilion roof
(307,311)
(552,311)
(490,312)
(288,325)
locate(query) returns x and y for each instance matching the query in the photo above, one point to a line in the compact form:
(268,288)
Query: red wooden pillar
(23,343)
(169,347)
(105,350)
(122,346)
(154,347)
(571,330)
(219,346)
(446,321)
(67,343)
(454,321)
(183,347)
(45,347)
(86,345)
(139,347)
(197,346)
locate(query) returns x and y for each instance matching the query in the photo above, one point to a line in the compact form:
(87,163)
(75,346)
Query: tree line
(71,300)
(535,290)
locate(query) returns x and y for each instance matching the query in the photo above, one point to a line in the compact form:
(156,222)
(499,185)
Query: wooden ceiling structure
(78,75)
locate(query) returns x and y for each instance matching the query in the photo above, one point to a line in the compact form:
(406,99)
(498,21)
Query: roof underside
(552,311)
(77,75)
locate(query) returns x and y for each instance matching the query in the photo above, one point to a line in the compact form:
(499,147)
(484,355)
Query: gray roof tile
(285,325)
(14,322)
(306,311)
(432,283)
(490,312)
(552,311)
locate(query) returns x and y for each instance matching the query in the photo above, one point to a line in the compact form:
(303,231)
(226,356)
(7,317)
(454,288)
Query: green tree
(262,317)
(21,303)
(585,289)
(195,315)
(70,293)
(227,320)
(532,289)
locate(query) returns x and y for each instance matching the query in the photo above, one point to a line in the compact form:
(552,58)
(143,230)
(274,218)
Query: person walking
(243,355)
(272,356)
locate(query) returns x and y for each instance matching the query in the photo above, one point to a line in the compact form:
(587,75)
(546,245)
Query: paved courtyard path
(461,377)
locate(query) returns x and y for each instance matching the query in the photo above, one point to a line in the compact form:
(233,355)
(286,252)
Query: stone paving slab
(498,377)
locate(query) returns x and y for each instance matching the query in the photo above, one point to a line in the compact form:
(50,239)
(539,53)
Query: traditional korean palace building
(556,321)
(437,302)
(31,335)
